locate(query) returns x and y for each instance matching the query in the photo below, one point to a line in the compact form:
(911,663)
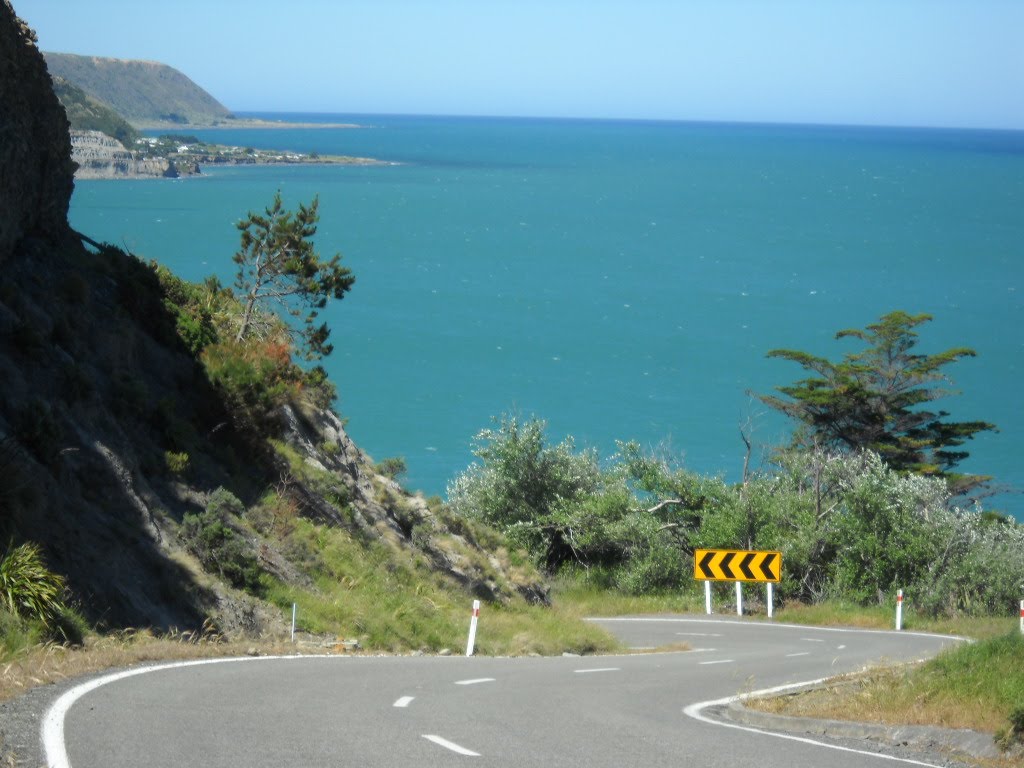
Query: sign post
(770,602)
(1022,617)
(737,565)
(472,628)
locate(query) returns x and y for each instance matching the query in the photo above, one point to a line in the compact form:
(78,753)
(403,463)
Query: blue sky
(899,62)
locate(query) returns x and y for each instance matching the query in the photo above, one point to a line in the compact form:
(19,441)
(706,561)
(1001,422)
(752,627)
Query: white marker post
(472,628)
(770,600)
(739,598)
(707,597)
(293,622)
(899,610)
(1022,617)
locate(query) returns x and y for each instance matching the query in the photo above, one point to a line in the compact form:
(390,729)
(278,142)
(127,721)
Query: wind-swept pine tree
(877,399)
(277,264)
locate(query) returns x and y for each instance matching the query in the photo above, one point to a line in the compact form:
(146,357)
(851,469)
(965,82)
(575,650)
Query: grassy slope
(138,90)
(86,113)
(978,686)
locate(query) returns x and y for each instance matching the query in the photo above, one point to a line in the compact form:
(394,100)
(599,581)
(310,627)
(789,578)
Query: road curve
(430,711)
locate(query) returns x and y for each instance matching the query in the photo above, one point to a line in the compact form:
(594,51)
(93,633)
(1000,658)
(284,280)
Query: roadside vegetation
(979,686)
(856,513)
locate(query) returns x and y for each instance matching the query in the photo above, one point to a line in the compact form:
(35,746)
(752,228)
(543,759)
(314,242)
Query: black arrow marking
(724,565)
(766,567)
(705,564)
(745,565)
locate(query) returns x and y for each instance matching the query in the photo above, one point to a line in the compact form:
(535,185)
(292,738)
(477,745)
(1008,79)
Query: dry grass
(977,686)
(834,614)
(887,696)
(51,663)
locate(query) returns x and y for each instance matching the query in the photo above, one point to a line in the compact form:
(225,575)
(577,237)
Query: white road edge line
(403,702)
(805,627)
(720,661)
(696,712)
(475,681)
(52,730)
(802,653)
(451,745)
(600,669)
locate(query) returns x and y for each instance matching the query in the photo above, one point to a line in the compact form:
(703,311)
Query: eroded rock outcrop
(36,172)
(99,156)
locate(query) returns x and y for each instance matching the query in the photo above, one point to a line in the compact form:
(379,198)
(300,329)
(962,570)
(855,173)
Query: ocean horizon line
(710,122)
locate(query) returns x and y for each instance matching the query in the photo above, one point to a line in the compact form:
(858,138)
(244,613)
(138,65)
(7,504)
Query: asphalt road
(432,711)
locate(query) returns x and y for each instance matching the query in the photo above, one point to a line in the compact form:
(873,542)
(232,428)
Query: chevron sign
(736,565)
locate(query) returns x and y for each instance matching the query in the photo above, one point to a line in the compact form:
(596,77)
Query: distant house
(183,148)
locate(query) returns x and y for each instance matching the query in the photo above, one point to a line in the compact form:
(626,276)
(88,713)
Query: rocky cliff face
(100,397)
(36,172)
(99,156)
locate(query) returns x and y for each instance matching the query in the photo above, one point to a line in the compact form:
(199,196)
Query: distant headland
(110,101)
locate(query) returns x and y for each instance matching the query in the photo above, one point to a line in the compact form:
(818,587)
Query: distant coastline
(242,123)
(98,156)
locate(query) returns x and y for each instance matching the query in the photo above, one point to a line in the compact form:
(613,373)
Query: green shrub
(214,539)
(177,463)
(1013,733)
(393,467)
(253,379)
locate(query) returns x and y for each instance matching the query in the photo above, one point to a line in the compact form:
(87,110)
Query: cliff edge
(168,496)
(36,172)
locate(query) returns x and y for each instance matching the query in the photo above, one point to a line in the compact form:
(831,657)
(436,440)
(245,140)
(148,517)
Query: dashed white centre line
(720,661)
(699,634)
(804,653)
(475,681)
(405,701)
(812,640)
(600,669)
(840,647)
(451,745)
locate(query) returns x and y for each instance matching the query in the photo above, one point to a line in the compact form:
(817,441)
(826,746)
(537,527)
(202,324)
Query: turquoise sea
(622,280)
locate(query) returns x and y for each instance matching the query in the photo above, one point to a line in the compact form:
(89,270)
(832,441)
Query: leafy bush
(392,467)
(849,527)
(560,505)
(254,380)
(214,539)
(177,463)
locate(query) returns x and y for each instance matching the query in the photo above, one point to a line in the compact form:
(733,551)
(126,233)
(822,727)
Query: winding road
(644,709)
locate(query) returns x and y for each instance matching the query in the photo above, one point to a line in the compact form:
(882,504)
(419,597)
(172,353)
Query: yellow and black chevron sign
(736,565)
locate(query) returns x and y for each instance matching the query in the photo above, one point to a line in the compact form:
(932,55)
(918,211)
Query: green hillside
(140,91)
(86,113)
